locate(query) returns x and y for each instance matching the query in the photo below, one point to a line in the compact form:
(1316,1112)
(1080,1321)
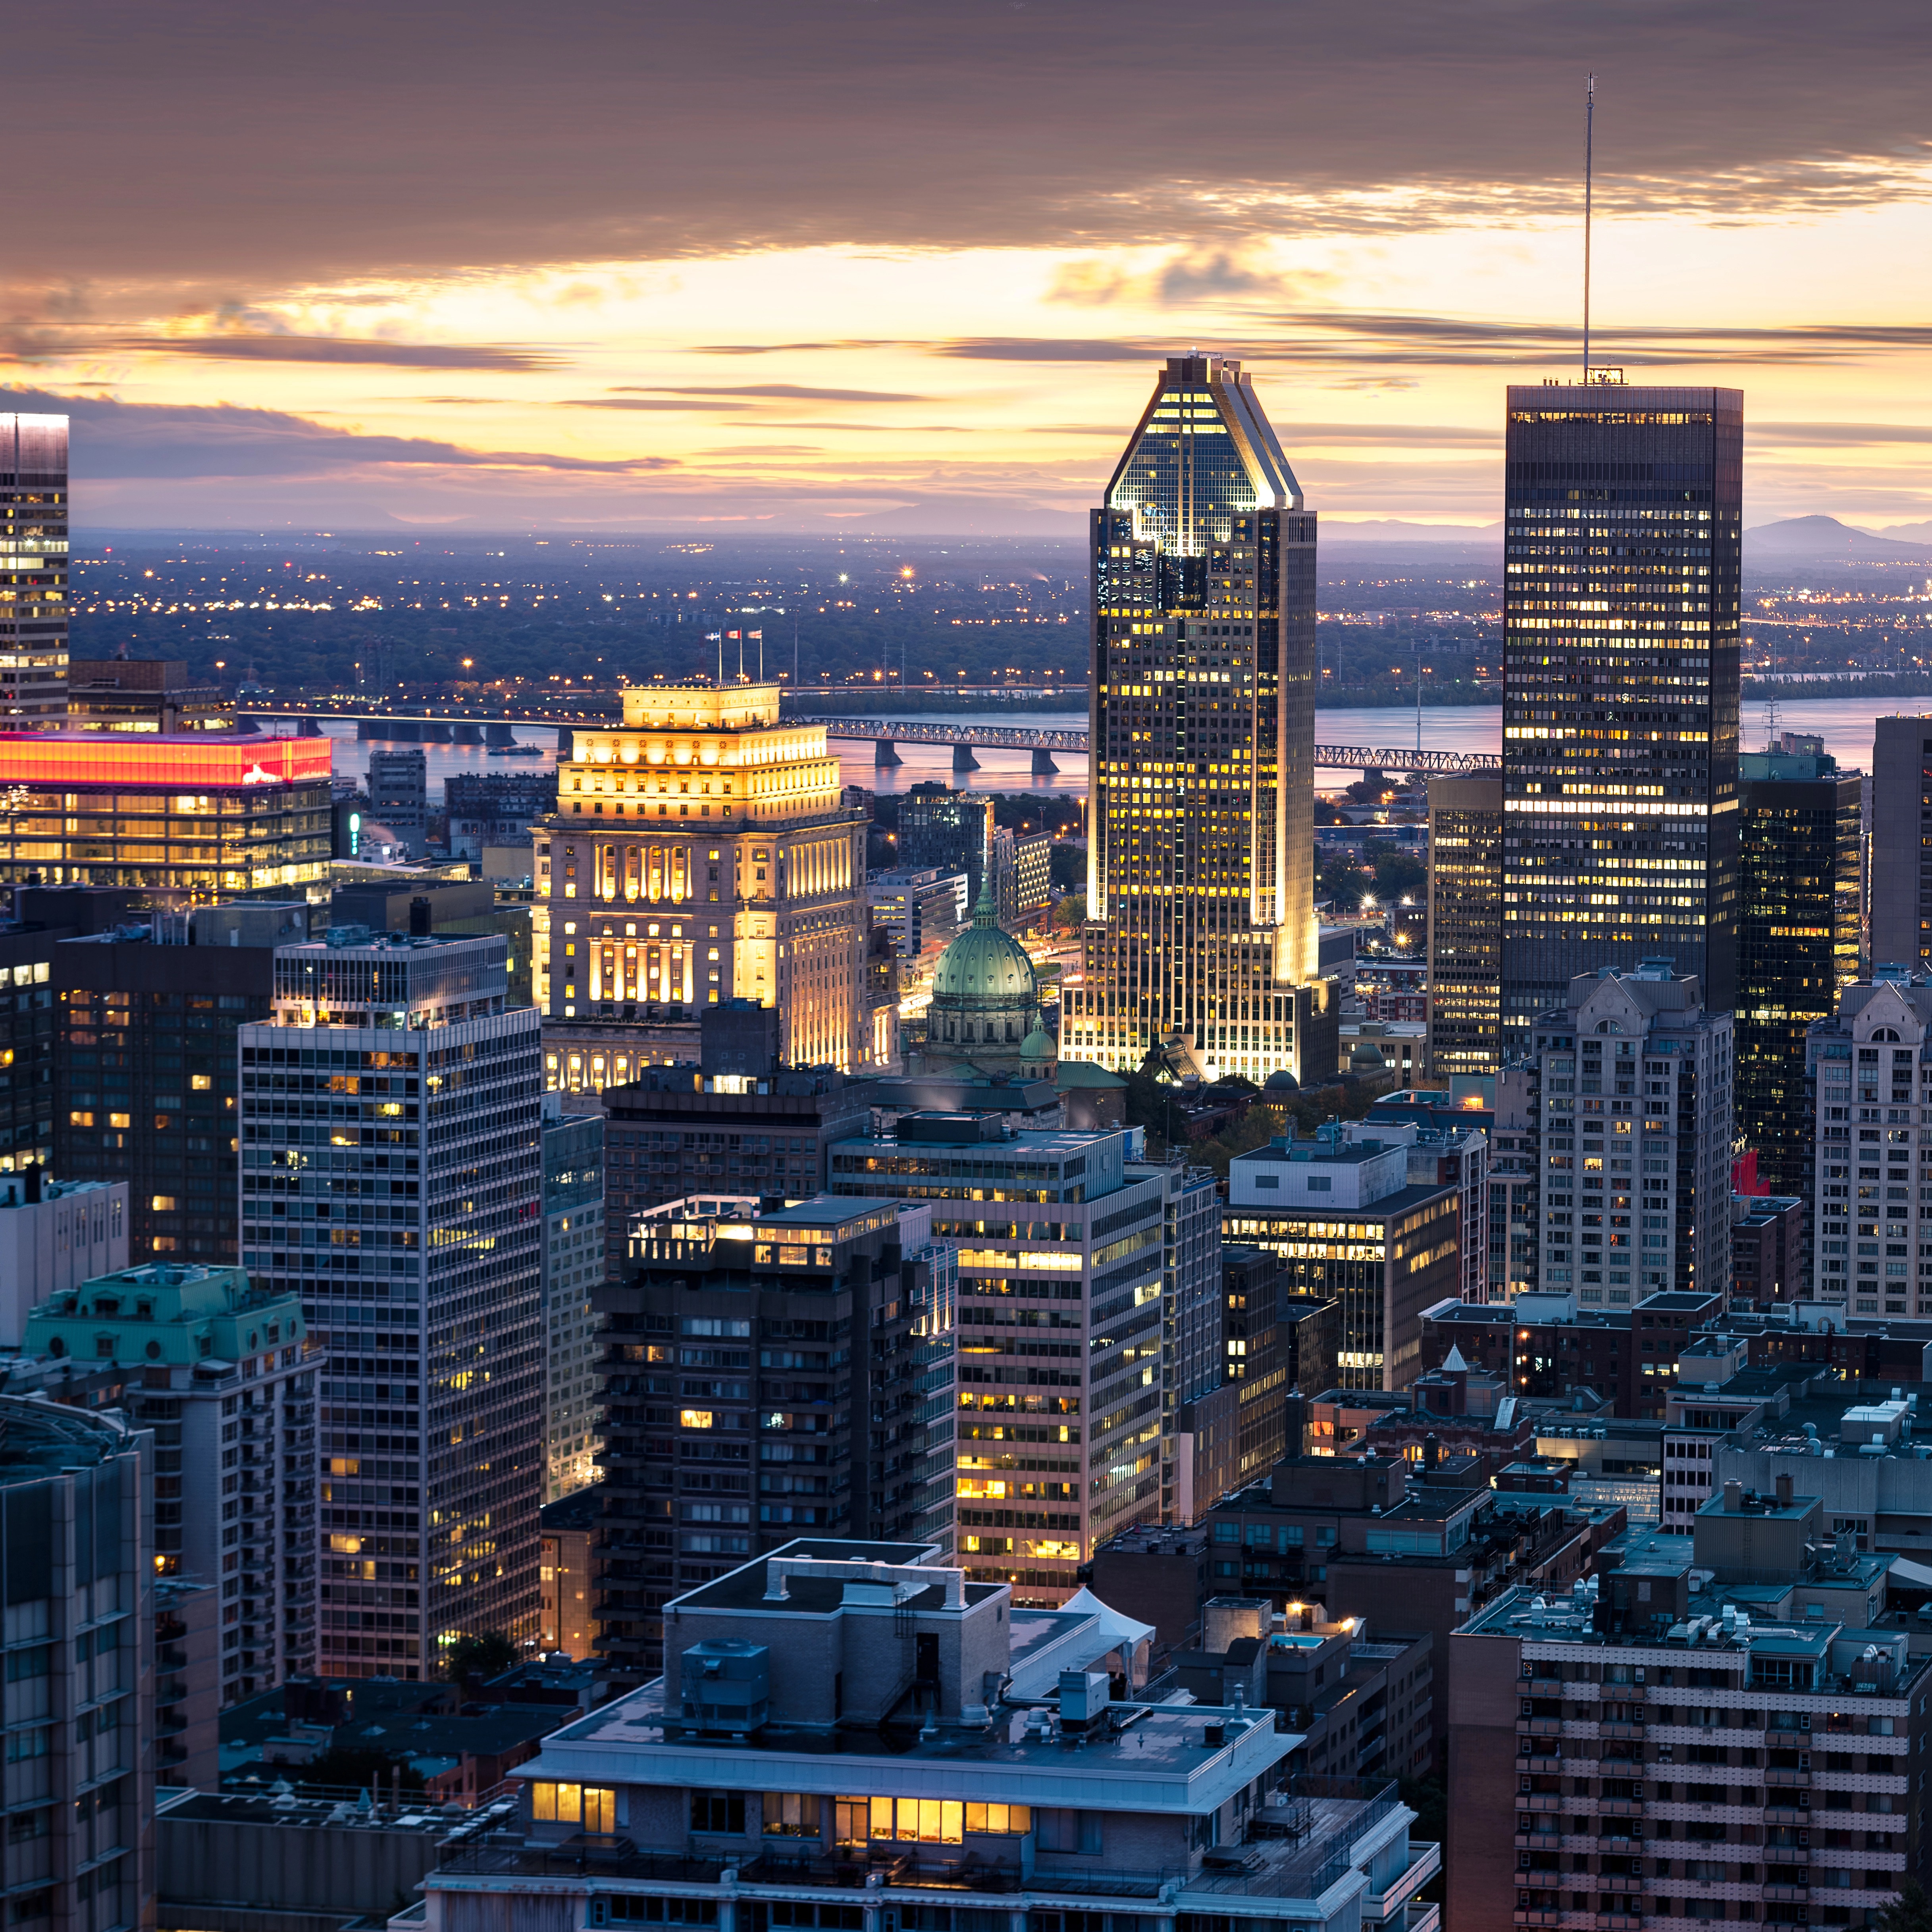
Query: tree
(1070,913)
(477,1656)
(1911,1911)
(1254,1129)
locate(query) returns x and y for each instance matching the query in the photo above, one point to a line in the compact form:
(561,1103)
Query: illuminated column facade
(33,571)
(1202,940)
(704,851)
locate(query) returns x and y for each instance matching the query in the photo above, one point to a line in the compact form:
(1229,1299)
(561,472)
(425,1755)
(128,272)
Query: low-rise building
(567,1529)
(1351,1228)
(720,1790)
(1767,1249)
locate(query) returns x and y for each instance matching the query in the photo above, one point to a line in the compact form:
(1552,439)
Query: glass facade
(1200,874)
(1799,906)
(1465,851)
(392,1176)
(33,571)
(573,1263)
(1623,521)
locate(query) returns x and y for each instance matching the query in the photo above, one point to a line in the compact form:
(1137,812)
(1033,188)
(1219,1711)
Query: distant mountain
(1917,535)
(1393,530)
(1824,540)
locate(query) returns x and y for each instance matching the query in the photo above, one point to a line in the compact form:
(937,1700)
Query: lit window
(202,1083)
(694,1418)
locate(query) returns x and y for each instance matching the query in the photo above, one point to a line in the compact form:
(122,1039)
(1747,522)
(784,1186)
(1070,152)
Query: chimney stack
(1734,1496)
(31,1173)
(1784,1489)
(419,919)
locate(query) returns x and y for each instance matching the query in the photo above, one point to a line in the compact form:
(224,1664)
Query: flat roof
(838,1208)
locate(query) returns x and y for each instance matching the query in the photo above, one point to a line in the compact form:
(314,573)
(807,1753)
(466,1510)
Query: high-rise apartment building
(1871,1077)
(704,851)
(769,1372)
(391,1178)
(1623,516)
(1899,899)
(573,1265)
(1465,924)
(201,817)
(34,608)
(1637,1079)
(1202,936)
(77,1523)
(1064,1248)
(226,1376)
(1799,916)
(1724,1726)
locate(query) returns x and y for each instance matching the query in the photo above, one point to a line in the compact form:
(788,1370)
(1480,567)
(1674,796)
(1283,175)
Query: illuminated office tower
(392,1177)
(704,850)
(1465,906)
(1623,514)
(1202,940)
(33,571)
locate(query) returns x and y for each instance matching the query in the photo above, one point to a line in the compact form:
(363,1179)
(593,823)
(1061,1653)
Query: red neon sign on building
(189,760)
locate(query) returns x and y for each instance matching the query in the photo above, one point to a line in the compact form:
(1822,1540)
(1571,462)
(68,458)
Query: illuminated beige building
(1200,946)
(704,850)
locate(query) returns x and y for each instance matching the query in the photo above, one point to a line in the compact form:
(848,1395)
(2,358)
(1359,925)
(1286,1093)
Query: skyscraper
(1899,905)
(1798,939)
(1623,515)
(1201,942)
(33,571)
(1466,904)
(704,849)
(392,1176)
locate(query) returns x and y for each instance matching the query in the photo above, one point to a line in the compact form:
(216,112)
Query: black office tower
(1797,941)
(1622,511)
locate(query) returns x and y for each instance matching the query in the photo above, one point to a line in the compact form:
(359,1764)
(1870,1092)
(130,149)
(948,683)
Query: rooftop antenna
(1589,139)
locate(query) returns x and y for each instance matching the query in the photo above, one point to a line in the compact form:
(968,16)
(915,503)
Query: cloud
(269,346)
(1827,435)
(646,402)
(779,392)
(114,440)
(270,147)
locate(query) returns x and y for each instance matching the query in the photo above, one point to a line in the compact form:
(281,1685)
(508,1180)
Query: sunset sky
(624,265)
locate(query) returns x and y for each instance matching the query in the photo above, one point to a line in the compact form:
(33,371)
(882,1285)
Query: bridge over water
(884,734)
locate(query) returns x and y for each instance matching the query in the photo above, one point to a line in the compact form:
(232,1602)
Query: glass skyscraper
(1200,939)
(1623,516)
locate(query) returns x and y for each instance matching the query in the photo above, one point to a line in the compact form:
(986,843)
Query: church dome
(1365,1057)
(1039,1045)
(985,967)
(1280,1081)
(986,999)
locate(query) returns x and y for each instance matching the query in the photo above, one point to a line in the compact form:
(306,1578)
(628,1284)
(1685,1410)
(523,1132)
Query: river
(1845,724)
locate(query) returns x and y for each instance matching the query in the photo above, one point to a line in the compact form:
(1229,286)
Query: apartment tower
(1623,513)
(1200,943)
(391,1178)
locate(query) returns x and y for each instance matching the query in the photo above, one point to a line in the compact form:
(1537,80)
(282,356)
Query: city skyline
(893,271)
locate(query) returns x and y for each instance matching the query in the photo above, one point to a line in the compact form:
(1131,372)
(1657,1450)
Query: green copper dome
(984,967)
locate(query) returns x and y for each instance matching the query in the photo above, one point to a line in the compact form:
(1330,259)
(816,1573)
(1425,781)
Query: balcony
(1539,1727)
(1425,1862)
(1786,1855)
(1777,1775)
